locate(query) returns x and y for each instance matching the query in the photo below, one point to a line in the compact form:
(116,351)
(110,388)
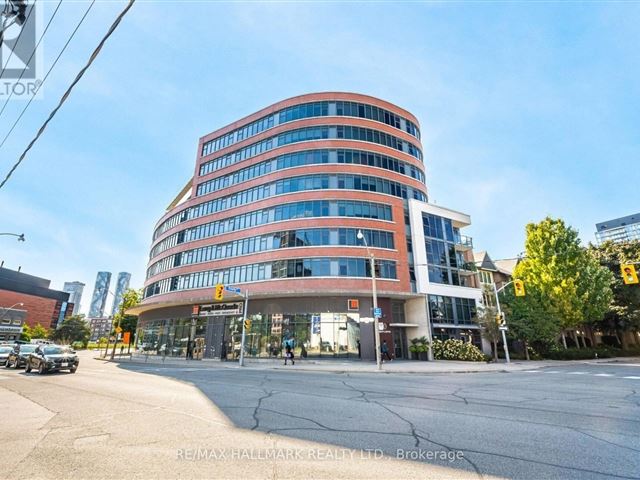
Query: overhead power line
(17,14)
(66,94)
(55,62)
(32,54)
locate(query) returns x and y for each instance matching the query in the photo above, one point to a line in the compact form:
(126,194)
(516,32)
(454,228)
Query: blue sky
(526,110)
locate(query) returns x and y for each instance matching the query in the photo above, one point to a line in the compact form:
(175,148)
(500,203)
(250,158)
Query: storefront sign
(315,324)
(220,309)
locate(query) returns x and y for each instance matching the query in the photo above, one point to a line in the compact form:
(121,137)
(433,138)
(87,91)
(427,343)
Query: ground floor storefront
(319,327)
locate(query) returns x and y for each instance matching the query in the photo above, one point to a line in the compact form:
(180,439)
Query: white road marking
(577,373)
(632,378)
(552,371)
(532,371)
(603,375)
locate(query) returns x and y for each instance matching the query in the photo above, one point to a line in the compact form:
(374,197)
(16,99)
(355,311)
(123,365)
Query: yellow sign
(247,324)
(219,294)
(519,287)
(629,274)
(118,329)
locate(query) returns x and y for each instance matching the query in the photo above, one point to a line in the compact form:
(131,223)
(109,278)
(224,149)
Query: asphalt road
(570,422)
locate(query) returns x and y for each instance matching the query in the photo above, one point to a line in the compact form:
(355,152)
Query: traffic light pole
(244,330)
(504,335)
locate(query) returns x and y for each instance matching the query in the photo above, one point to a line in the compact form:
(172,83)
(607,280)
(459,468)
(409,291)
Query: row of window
(310,157)
(321,181)
(292,268)
(452,310)
(308,110)
(443,254)
(435,226)
(272,241)
(311,133)
(288,211)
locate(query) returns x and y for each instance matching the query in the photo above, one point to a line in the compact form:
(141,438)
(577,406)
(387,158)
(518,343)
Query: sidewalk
(358,366)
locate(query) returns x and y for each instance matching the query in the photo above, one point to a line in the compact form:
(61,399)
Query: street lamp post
(372,264)
(7,310)
(504,335)
(19,235)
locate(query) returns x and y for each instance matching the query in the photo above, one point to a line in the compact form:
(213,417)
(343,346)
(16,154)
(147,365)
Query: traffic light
(519,287)
(247,324)
(629,274)
(500,318)
(219,294)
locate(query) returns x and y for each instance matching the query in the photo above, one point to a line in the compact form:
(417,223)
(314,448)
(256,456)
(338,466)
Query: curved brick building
(274,207)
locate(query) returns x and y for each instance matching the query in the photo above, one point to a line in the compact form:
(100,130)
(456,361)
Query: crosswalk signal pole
(244,329)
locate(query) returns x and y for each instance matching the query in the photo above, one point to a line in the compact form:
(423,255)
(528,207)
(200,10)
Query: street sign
(231,288)
(118,329)
(504,328)
(377,312)
(221,309)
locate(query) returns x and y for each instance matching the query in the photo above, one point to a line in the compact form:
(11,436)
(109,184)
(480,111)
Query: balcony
(463,243)
(467,268)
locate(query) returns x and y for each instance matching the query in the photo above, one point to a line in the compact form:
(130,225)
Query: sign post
(244,325)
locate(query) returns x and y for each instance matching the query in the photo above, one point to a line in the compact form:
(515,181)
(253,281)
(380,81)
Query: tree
(623,314)
(26,336)
(573,287)
(73,329)
(130,298)
(530,318)
(38,331)
(486,318)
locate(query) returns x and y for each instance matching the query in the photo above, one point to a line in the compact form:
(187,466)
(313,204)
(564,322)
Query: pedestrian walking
(384,349)
(289,356)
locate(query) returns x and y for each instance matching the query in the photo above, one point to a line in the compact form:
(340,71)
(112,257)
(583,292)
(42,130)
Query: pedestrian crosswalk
(580,372)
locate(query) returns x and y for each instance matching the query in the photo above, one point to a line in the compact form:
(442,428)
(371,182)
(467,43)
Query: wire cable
(32,54)
(47,75)
(33,6)
(66,94)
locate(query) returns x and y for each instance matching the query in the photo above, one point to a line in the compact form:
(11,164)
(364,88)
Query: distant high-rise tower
(74,289)
(121,286)
(103,280)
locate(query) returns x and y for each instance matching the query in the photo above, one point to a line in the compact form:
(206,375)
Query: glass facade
(274,241)
(444,263)
(99,299)
(303,183)
(309,110)
(457,312)
(326,334)
(287,211)
(290,268)
(323,132)
(310,157)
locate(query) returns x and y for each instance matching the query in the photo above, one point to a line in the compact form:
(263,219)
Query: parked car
(49,358)
(5,350)
(18,356)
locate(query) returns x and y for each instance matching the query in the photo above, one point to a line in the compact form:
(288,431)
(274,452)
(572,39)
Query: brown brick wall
(40,310)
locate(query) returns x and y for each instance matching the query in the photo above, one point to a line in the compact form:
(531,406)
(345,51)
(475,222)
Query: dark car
(5,350)
(52,358)
(18,356)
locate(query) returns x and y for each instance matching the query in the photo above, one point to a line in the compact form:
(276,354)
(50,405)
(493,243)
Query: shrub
(453,349)
(581,353)
(77,345)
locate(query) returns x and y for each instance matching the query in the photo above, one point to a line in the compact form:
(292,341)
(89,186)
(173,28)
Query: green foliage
(25,336)
(454,349)
(73,329)
(581,353)
(624,309)
(419,345)
(130,298)
(78,345)
(565,285)
(38,331)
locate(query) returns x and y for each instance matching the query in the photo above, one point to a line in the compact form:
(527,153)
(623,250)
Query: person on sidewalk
(384,349)
(289,356)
